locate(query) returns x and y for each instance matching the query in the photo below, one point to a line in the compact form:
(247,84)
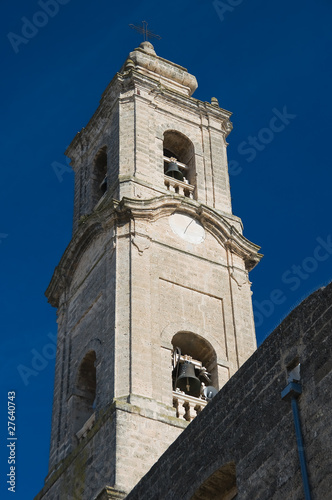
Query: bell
(174,171)
(187,380)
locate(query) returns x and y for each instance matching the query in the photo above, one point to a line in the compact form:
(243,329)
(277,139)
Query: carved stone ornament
(240,277)
(141,243)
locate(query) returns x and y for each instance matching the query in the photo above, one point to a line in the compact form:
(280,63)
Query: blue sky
(267,62)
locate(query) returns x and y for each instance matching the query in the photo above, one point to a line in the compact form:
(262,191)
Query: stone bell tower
(153,282)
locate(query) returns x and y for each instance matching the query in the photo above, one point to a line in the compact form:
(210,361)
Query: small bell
(174,171)
(187,380)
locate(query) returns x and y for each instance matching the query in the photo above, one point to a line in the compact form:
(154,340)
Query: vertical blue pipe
(300,448)
(292,392)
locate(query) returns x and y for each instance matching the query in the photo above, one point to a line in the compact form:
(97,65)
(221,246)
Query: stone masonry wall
(132,286)
(120,448)
(249,425)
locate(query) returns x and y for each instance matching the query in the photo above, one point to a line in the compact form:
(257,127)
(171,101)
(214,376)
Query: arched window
(99,176)
(221,485)
(194,364)
(85,391)
(179,163)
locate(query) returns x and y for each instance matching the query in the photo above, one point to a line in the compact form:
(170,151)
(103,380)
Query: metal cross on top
(144,31)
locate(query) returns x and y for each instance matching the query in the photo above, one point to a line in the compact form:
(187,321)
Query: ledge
(114,212)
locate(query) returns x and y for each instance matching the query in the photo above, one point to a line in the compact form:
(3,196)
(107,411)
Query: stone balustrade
(187,407)
(86,427)
(179,187)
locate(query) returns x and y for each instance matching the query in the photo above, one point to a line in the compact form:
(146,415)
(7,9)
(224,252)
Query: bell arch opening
(179,160)
(221,485)
(99,175)
(194,364)
(85,391)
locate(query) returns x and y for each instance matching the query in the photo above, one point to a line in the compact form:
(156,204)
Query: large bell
(187,380)
(174,171)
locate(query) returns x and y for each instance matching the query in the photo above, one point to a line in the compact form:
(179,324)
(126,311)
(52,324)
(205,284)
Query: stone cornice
(61,278)
(112,213)
(164,93)
(149,63)
(213,222)
(121,84)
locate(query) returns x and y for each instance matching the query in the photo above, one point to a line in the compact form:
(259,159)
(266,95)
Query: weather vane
(144,31)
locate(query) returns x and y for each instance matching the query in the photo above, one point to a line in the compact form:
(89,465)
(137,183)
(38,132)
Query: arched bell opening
(220,485)
(99,175)
(85,391)
(194,365)
(179,159)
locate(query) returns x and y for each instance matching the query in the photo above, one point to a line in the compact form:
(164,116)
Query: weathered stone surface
(133,279)
(109,493)
(250,426)
(142,102)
